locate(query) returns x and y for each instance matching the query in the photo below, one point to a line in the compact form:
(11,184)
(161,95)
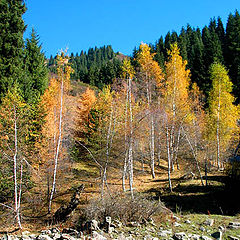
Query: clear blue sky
(80,24)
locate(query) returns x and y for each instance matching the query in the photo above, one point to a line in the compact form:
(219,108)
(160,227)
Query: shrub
(123,208)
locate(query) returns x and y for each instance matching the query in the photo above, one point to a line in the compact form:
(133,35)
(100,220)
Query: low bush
(123,208)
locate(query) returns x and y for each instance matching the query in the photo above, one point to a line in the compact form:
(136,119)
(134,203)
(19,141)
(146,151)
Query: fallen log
(63,212)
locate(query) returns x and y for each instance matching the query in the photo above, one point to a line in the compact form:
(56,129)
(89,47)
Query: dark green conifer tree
(12,28)
(36,81)
(232,51)
(182,44)
(159,49)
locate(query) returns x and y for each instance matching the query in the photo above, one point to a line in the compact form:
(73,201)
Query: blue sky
(124,24)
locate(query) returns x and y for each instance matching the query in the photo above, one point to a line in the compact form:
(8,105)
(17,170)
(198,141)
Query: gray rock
(217,235)
(202,228)
(180,236)
(117,223)
(94,225)
(234,225)
(232,238)
(5,237)
(176,224)
(25,237)
(121,237)
(44,237)
(14,238)
(148,237)
(206,238)
(67,236)
(134,224)
(130,238)
(46,232)
(97,236)
(162,234)
(108,220)
(71,232)
(176,218)
(221,228)
(110,230)
(194,236)
(55,230)
(209,222)
(33,236)
(56,236)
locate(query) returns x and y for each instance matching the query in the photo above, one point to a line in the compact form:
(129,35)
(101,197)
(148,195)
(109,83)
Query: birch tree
(128,74)
(55,115)
(176,102)
(13,138)
(222,113)
(152,77)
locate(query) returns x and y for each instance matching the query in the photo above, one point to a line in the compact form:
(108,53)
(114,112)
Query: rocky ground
(173,227)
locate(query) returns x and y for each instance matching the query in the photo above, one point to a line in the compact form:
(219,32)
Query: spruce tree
(12,28)
(182,43)
(198,68)
(232,51)
(159,57)
(35,65)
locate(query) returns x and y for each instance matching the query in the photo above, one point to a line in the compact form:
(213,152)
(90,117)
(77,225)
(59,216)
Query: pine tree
(159,48)
(198,68)
(212,52)
(11,43)
(36,68)
(182,43)
(232,51)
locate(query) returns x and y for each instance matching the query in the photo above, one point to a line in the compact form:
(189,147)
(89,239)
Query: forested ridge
(97,66)
(165,113)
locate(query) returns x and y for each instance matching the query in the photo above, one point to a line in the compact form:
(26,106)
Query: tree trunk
(218,121)
(169,159)
(17,203)
(151,140)
(126,140)
(130,153)
(63,212)
(58,147)
(104,176)
(152,147)
(195,157)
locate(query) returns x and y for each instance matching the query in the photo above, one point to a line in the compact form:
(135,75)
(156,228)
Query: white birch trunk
(152,147)
(218,121)
(194,155)
(172,141)
(130,152)
(151,140)
(159,148)
(126,141)
(176,149)
(17,210)
(169,158)
(104,177)
(58,147)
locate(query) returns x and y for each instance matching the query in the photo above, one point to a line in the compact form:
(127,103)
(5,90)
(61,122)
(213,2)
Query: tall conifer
(12,28)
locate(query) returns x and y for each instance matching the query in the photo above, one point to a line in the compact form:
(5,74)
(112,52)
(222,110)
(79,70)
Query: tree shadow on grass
(218,198)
